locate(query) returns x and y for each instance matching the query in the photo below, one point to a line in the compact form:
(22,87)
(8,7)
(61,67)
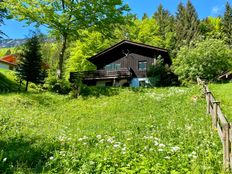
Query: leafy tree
(67,17)
(2,16)
(187,24)
(227,23)
(206,59)
(90,44)
(211,27)
(30,65)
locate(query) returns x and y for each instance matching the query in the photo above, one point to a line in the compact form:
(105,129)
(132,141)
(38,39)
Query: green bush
(60,86)
(207,59)
(161,75)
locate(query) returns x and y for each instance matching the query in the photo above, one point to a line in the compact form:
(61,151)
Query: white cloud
(216,10)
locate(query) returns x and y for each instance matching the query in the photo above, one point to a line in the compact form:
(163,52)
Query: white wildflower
(161,145)
(51,158)
(4,159)
(156,143)
(175,148)
(98,136)
(167,157)
(160,150)
(194,156)
(117,144)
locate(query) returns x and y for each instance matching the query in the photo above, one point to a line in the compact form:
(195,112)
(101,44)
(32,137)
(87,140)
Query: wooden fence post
(214,115)
(208,94)
(230,143)
(226,147)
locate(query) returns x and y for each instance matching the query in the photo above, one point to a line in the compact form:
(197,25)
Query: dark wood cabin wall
(131,61)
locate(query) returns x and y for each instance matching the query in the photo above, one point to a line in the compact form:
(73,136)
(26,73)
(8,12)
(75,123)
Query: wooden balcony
(101,74)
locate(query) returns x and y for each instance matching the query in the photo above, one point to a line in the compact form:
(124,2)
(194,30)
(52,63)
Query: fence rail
(220,123)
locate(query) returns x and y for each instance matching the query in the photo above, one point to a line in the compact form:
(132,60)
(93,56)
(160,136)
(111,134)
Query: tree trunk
(61,57)
(27,85)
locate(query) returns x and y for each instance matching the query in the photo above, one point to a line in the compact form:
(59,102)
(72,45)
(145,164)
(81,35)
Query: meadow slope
(162,130)
(223,93)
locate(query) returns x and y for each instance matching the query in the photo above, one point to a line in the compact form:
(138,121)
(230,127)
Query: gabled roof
(118,51)
(9,59)
(6,62)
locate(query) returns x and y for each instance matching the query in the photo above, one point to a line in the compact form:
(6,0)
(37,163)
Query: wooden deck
(101,74)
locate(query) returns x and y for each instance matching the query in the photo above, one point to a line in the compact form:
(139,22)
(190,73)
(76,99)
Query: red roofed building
(8,62)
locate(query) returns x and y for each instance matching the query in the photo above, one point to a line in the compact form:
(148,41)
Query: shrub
(60,86)
(161,75)
(207,59)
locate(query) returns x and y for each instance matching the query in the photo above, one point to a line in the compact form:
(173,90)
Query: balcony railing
(101,74)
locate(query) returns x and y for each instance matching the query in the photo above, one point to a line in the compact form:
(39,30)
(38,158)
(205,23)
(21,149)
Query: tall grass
(223,93)
(161,130)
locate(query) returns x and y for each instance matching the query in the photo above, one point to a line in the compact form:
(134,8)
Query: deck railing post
(226,147)
(214,115)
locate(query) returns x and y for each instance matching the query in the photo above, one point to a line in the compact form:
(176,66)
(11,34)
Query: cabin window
(113,67)
(142,66)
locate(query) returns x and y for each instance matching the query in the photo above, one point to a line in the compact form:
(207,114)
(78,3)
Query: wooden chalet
(124,64)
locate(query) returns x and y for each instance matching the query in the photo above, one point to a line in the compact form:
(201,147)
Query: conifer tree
(30,65)
(187,24)
(164,19)
(145,16)
(227,24)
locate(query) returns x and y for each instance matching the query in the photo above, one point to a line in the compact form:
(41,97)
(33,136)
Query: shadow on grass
(7,85)
(22,153)
(95,91)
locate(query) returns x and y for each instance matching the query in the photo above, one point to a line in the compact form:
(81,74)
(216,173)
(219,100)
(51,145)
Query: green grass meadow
(223,94)
(161,130)
(7,81)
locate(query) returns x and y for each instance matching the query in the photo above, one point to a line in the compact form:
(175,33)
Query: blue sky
(204,8)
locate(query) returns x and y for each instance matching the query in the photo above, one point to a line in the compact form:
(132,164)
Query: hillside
(7,81)
(127,130)
(223,93)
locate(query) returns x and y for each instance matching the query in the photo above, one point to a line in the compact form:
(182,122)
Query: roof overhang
(126,47)
(6,62)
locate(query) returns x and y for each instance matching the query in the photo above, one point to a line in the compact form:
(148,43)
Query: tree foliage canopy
(206,59)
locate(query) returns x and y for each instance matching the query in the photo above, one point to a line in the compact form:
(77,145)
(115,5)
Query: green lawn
(7,81)
(126,131)
(223,93)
